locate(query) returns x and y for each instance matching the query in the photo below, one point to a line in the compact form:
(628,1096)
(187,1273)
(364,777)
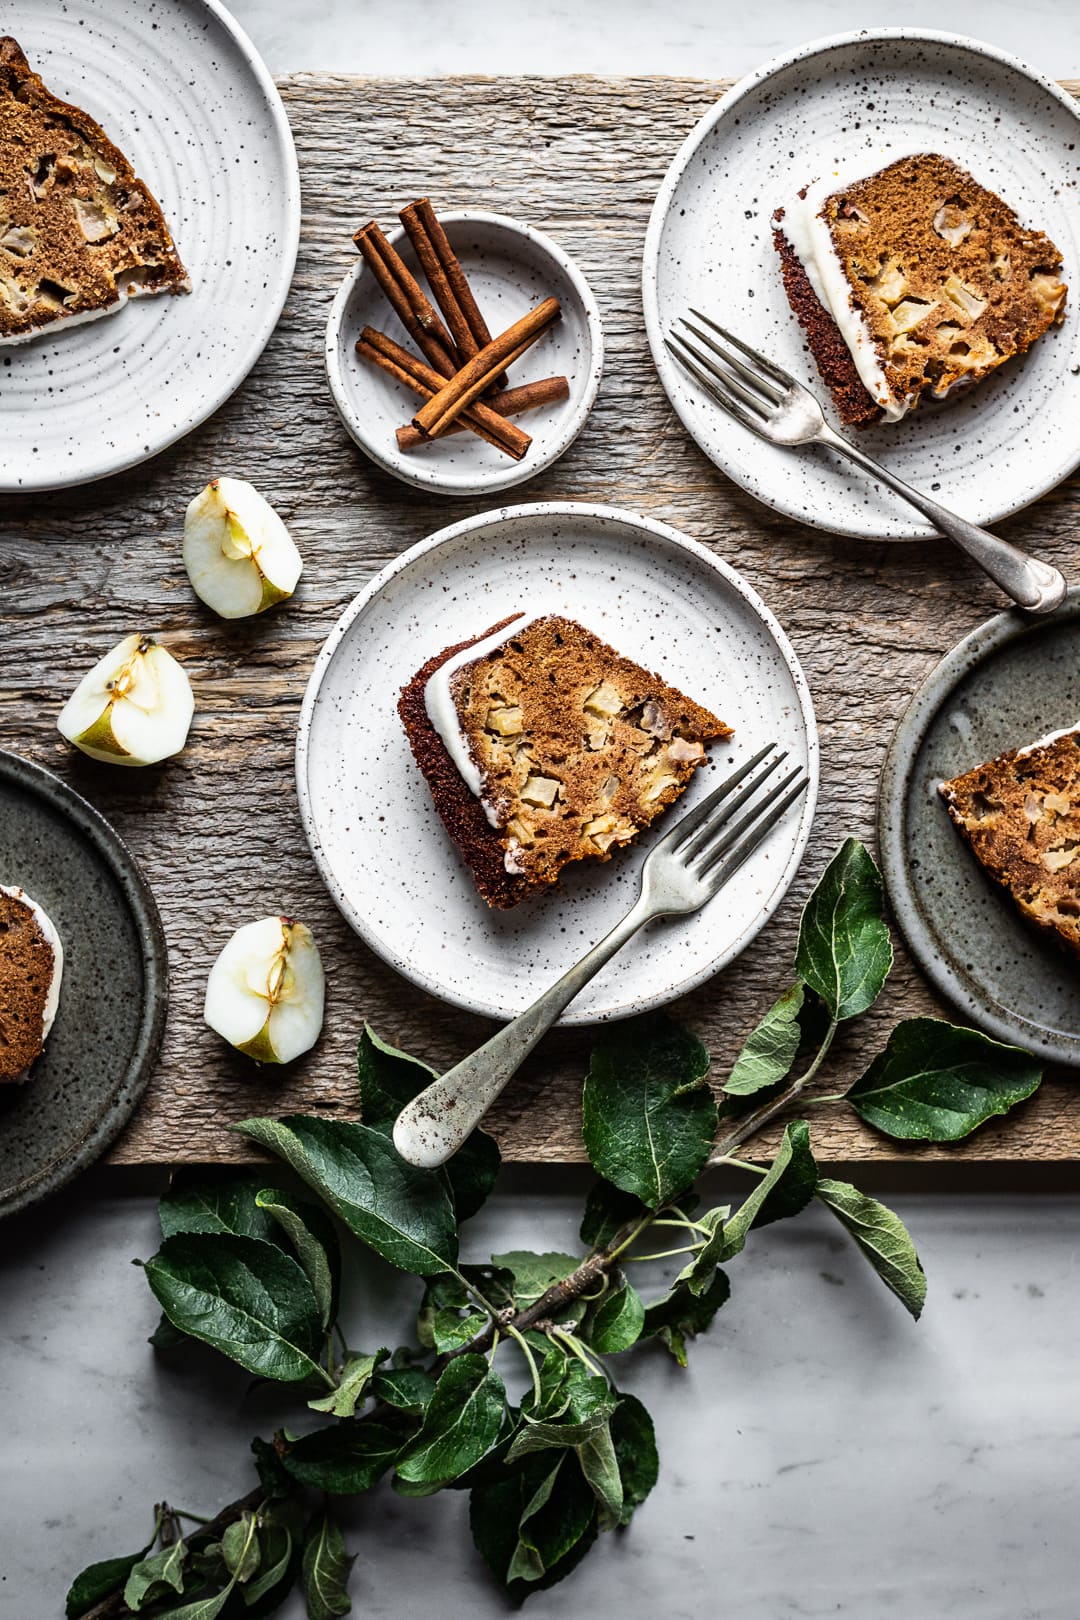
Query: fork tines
(715,838)
(746,383)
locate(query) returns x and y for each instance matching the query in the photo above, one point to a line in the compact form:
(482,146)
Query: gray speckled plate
(1011,681)
(114,991)
(511,267)
(659,598)
(178,86)
(986,452)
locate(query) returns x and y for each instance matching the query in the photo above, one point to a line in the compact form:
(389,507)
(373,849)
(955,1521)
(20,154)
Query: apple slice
(266,990)
(239,556)
(134,707)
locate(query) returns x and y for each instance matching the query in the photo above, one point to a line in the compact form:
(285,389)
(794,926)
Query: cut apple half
(133,708)
(239,556)
(266,991)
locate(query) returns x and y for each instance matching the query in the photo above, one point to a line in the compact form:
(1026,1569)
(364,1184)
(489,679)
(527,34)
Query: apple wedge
(266,991)
(133,708)
(239,556)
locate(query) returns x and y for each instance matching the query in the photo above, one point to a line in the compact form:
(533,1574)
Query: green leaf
(276,1558)
(162,1569)
(680,1315)
(607,1208)
(883,1239)
(409,1389)
(785,1190)
(270,1469)
(938,1082)
(617,1320)
(352,1387)
(534,1274)
(218,1201)
(648,1115)
(596,1456)
(771,1048)
(388,1080)
(326,1569)
(586,1406)
(165,1336)
(540,1515)
(844,948)
(460,1426)
(96,1581)
(311,1232)
(246,1298)
(634,1439)
(450,1330)
(344,1459)
(403,1213)
(240,1548)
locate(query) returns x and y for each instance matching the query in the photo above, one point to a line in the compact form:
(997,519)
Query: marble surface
(697,37)
(823,1455)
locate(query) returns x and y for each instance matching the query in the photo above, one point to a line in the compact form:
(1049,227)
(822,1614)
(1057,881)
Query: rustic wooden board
(217,830)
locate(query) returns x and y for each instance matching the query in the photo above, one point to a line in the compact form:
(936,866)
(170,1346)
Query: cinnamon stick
(447,279)
(461,390)
(409,302)
(382,351)
(530,396)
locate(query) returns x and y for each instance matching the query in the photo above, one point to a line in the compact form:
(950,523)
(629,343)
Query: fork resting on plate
(682,873)
(767,399)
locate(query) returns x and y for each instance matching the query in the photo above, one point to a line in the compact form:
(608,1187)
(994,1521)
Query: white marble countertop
(823,1455)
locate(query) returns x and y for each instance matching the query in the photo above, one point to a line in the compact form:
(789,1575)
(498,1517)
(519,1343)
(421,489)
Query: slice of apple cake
(31,968)
(79,232)
(912,280)
(542,746)
(1020,813)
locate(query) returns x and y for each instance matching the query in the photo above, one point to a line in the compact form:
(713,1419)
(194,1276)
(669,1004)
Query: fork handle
(431,1128)
(1032,584)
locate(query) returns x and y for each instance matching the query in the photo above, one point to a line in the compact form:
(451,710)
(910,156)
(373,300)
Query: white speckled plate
(178,87)
(1011,681)
(659,598)
(986,452)
(511,267)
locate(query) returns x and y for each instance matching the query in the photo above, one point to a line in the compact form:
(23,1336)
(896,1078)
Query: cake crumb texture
(27,964)
(1020,813)
(578,748)
(78,229)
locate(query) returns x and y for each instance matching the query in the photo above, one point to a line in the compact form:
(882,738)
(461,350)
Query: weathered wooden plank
(217,831)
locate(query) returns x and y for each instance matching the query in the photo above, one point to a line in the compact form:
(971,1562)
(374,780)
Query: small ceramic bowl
(511,267)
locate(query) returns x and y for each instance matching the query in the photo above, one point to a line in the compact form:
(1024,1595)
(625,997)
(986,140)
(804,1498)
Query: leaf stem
(526,1351)
(756,1121)
(575,1346)
(665,1254)
(743,1164)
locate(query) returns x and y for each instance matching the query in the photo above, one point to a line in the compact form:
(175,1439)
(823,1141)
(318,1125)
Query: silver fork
(767,399)
(684,871)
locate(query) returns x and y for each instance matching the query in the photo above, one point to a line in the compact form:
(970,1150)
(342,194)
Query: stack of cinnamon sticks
(462,379)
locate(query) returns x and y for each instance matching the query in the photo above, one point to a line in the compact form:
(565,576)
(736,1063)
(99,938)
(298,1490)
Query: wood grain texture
(217,830)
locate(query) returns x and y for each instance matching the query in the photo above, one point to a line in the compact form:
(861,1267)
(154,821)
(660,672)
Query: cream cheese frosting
(45,923)
(442,710)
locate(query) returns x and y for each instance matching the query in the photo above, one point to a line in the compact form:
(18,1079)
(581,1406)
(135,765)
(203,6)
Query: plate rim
(750,82)
(514,472)
(648,526)
(272,304)
(139,900)
(972,651)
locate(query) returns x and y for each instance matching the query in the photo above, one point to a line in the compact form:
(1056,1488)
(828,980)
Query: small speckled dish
(654,595)
(985,453)
(1010,682)
(113,994)
(511,267)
